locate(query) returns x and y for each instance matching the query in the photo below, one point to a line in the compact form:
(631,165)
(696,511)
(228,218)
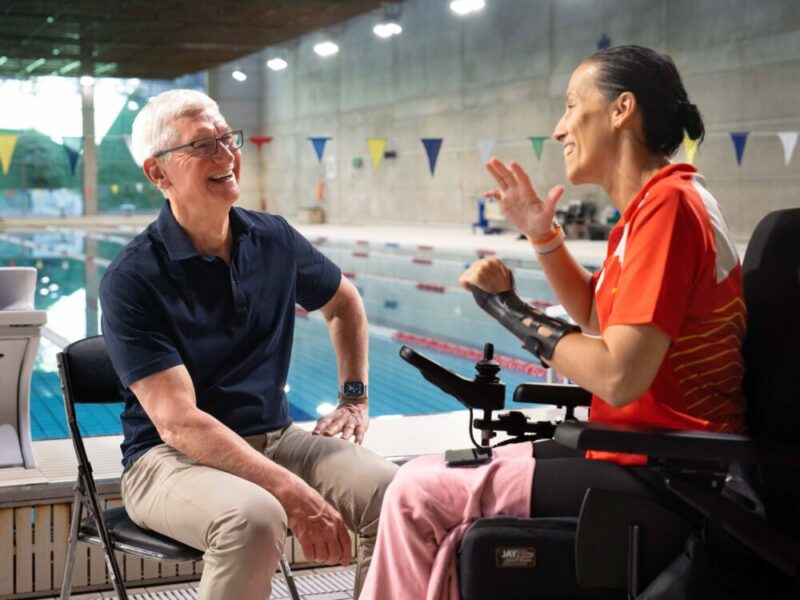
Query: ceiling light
(133,105)
(277,64)
(101,69)
(465,7)
(69,67)
(34,65)
(387,30)
(326,48)
(3,60)
(56,51)
(239,75)
(87,80)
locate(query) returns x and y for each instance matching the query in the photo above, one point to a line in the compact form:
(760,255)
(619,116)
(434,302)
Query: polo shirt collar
(178,244)
(662,173)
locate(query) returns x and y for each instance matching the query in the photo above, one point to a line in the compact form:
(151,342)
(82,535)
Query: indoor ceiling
(152,39)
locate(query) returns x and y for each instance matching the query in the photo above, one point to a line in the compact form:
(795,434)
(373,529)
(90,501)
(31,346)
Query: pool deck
(389,436)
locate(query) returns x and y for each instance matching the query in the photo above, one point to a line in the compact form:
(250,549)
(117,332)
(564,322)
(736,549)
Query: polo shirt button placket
(238,299)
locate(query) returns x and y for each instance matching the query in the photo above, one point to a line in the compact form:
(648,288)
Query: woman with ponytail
(665,317)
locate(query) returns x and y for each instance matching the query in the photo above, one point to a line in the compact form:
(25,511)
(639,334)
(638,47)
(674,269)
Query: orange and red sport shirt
(671,262)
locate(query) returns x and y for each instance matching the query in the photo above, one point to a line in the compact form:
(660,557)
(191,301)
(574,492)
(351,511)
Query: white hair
(154,127)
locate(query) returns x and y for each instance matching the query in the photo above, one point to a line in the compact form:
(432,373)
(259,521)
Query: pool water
(410,293)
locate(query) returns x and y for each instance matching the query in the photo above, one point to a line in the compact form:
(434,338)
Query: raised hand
(519,201)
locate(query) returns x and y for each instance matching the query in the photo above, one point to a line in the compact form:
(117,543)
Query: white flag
(789,141)
(485,148)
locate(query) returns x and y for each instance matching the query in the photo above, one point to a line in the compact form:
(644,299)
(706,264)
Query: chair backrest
(89,372)
(771,271)
(87,377)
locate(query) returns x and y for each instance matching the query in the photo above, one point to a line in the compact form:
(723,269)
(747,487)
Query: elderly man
(198,316)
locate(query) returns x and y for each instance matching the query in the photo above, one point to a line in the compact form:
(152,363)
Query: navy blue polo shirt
(164,304)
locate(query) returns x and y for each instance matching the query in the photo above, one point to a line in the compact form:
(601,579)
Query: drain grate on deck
(326,585)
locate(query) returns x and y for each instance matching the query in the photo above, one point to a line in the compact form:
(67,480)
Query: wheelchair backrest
(771,272)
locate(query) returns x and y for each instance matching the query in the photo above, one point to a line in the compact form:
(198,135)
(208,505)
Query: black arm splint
(524,321)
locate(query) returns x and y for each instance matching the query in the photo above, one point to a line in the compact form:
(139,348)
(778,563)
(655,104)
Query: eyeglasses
(207,147)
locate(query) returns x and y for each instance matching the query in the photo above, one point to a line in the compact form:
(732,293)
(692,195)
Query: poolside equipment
(729,523)
(88,377)
(20,330)
(489,217)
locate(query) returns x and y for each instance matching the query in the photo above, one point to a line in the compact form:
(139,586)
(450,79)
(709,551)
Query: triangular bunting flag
(319,145)
(538,142)
(432,147)
(485,148)
(376,147)
(73,146)
(260,140)
(690,148)
(8,142)
(789,141)
(739,141)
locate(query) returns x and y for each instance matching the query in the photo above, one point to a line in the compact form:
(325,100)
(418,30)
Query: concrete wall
(502,74)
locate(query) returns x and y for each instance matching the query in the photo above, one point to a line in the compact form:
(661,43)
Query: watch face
(353,389)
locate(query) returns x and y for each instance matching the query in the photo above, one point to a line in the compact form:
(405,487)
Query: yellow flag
(7,143)
(114,188)
(690,147)
(376,147)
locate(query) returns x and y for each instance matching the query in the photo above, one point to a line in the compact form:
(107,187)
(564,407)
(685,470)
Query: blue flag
(432,147)
(72,153)
(319,146)
(739,140)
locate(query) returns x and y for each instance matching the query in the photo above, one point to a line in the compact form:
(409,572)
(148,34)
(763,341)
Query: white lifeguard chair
(20,330)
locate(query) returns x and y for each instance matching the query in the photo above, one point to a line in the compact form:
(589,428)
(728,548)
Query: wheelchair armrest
(558,394)
(697,446)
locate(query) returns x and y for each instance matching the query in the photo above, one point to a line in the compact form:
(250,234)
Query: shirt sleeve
(317,277)
(661,262)
(134,329)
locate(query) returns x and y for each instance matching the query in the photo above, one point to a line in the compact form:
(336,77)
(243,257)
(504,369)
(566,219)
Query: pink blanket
(425,513)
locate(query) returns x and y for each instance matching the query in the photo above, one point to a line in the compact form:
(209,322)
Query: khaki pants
(241,526)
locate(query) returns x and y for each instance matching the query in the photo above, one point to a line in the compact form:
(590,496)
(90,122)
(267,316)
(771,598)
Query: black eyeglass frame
(239,142)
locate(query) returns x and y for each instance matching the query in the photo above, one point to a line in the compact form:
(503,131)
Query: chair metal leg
(86,494)
(114,572)
(69,565)
(287,575)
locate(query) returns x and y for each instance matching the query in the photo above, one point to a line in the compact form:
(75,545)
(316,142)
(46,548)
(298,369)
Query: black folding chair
(88,377)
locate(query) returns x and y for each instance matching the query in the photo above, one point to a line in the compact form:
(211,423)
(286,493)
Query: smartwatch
(353,389)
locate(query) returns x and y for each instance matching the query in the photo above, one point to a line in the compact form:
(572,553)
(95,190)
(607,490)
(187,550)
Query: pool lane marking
(474,354)
(422,286)
(519,272)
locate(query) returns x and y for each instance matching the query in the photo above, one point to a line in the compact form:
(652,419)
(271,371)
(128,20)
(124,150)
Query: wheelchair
(728,525)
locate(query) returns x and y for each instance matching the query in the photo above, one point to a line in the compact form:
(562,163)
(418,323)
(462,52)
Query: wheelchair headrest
(771,272)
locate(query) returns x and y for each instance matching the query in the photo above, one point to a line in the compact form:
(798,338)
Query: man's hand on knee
(350,418)
(318,527)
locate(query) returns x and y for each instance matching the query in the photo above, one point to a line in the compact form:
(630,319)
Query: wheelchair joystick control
(487,367)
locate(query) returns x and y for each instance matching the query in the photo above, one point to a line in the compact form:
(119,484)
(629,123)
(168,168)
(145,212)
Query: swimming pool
(410,293)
